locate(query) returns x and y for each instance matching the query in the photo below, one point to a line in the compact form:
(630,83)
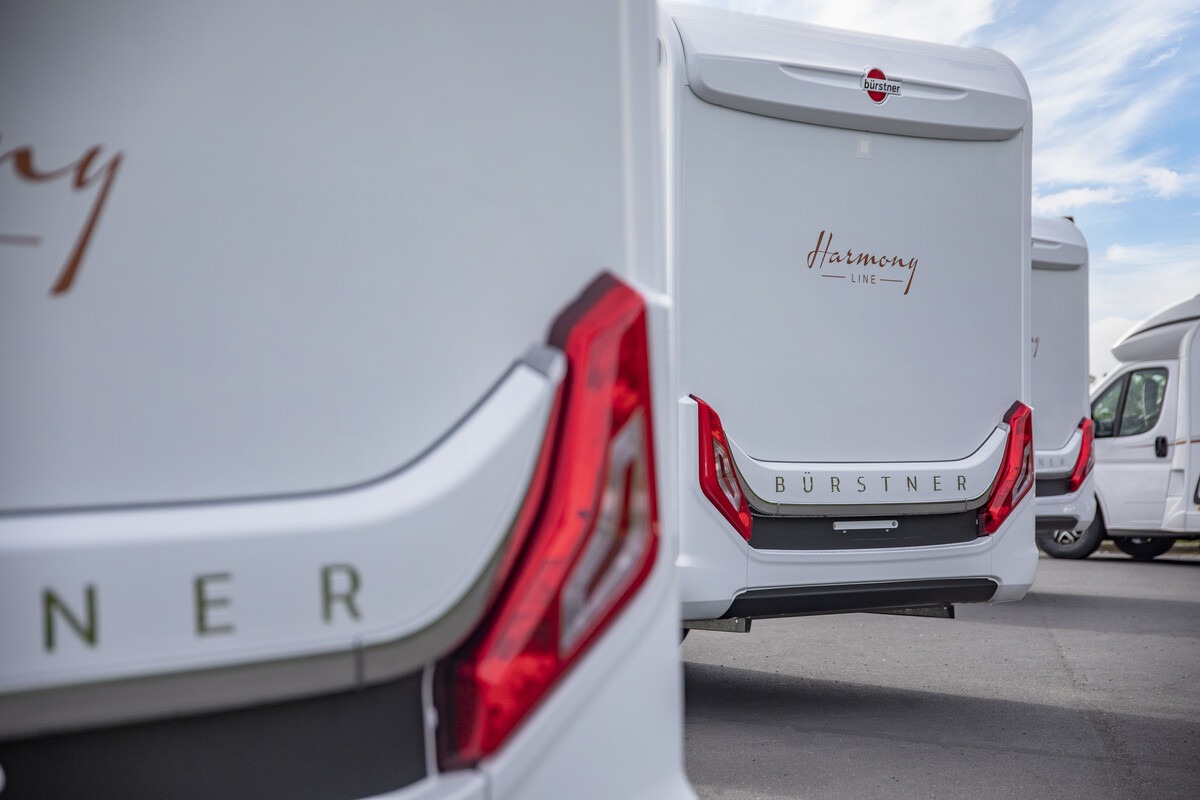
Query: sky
(1116,126)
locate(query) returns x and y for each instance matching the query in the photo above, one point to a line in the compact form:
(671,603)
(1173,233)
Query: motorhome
(849,251)
(331,434)
(1147,419)
(1062,422)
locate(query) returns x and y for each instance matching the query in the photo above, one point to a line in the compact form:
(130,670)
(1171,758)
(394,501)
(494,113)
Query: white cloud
(1102,335)
(1098,97)
(1166,183)
(1073,199)
(943,21)
(1135,281)
(1166,55)
(1127,284)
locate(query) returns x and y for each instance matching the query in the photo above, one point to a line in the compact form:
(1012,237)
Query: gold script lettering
(84,173)
(823,254)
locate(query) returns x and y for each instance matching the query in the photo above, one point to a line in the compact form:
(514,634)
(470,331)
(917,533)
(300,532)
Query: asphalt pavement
(1087,688)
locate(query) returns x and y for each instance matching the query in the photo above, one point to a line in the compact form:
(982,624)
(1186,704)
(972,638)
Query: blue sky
(1116,101)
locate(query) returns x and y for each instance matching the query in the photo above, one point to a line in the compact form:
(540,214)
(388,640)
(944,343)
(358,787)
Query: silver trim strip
(866,525)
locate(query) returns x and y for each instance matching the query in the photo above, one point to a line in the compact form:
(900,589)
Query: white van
(1062,424)
(328,425)
(850,245)
(1147,420)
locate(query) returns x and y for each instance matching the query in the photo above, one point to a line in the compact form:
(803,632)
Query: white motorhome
(327,462)
(849,250)
(1062,422)
(1147,420)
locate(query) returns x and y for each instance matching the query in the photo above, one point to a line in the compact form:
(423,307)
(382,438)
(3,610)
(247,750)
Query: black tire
(1072,544)
(683,632)
(1144,548)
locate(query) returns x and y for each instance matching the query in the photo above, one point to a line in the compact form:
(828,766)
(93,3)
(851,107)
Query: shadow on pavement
(821,738)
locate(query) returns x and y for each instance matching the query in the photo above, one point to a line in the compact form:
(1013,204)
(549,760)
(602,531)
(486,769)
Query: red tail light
(591,542)
(718,476)
(1015,478)
(1087,458)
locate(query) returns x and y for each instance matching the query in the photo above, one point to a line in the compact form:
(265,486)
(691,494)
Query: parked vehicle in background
(1062,423)
(331,425)
(1147,420)
(850,258)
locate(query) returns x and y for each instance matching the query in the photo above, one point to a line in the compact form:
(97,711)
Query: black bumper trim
(1063,523)
(818,533)
(848,597)
(1050,487)
(333,747)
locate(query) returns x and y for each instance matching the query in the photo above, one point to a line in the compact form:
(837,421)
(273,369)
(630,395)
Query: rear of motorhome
(849,249)
(331,433)
(1147,421)
(1062,422)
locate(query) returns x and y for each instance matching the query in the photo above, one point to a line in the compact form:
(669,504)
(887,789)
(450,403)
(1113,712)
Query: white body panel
(1182,513)
(1060,366)
(716,565)
(266,442)
(1131,479)
(1079,504)
(257,260)
(1141,492)
(258,605)
(845,386)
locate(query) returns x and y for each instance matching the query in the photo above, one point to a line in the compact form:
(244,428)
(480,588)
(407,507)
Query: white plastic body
(1182,511)
(1131,480)
(716,564)
(831,370)
(295,343)
(1060,362)
(1080,504)
(1140,493)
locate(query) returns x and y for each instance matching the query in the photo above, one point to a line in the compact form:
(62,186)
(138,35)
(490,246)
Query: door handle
(1160,446)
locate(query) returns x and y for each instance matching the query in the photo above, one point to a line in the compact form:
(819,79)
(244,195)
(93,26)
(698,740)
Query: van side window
(1104,410)
(1143,401)
(1135,402)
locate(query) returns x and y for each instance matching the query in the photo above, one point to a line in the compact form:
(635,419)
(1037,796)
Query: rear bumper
(354,743)
(717,569)
(844,598)
(1074,511)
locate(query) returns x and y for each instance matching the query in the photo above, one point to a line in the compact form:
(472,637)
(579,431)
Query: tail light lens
(591,540)
(1087,458)
(718,476)
(1015,478)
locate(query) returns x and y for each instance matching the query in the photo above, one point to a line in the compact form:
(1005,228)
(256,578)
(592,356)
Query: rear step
(742,624)
(845,598)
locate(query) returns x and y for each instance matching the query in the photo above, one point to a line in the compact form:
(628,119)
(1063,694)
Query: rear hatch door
(851,264)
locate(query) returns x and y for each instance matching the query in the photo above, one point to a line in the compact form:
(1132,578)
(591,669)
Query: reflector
(1087,458)
(1015,476)
(592,536)
(718,474)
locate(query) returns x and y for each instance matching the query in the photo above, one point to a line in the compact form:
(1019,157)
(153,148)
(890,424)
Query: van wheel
(1144,548)
(1071,544)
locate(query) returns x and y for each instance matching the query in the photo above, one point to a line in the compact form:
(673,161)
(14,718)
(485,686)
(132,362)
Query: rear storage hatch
(264,282)
(850,262)
(1060,381)
(263,445)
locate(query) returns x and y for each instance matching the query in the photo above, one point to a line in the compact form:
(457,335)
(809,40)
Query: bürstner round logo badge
(878,86)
